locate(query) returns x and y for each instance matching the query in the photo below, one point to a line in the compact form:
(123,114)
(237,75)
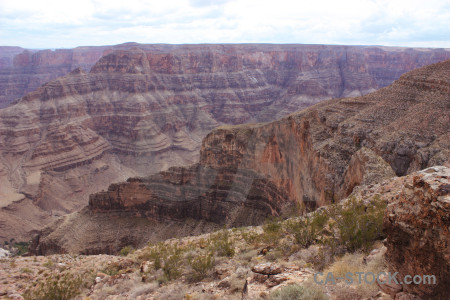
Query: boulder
(417,223)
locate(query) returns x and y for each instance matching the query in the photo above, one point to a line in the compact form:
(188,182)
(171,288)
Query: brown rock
(276,280)
(221,272)
(260,278)
(267,269)
(224,284)
(406,296)
(390,288)
(417,226)
(146,266)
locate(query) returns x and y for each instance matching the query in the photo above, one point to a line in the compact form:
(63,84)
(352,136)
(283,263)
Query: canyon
(134,110)
(307,159)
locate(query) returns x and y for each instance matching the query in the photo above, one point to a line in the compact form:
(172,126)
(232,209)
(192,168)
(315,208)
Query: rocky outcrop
(417,224)
(145,108)
(310,158)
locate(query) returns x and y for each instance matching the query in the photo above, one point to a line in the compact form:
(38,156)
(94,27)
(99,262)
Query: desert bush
(304,233)
(26,270)
(112,269)
(298,292)
(171,266)
(359,225)
(249,236)
(49,264)
(273,230)
(164,256)
(306,230)
(201,265)
(222,244)
(22,248)
(56,287)
(125,251)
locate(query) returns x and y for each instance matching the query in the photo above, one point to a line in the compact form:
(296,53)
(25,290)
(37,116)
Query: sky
(66,24)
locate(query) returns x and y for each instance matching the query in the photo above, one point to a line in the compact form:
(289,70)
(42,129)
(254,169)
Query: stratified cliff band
(145,108)
(247,172)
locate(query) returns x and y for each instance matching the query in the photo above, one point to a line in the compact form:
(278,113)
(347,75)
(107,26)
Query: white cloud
(56,23)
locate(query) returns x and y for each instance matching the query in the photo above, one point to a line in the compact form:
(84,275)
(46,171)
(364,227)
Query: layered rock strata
(310,158)
(142,110)
(25,70)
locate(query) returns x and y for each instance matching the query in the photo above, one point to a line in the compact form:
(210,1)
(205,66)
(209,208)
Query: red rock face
(417,227)
(251,171)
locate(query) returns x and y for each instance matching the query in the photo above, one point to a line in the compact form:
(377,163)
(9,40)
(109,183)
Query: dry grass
(352,263)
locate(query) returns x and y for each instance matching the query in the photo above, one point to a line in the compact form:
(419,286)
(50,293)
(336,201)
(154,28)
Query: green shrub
(166,257)
(201,265)
(56,287)
(304,233)
(221,244)
(22,248)
(272,231)
(249,236)
(48,264)
(171,267)
(125,251)
(26,270)
(112,269)
(297,292)
(306,230)
(359,224)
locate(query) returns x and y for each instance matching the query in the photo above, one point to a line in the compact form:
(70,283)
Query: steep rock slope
(145,109)
(311,158)
(417,223)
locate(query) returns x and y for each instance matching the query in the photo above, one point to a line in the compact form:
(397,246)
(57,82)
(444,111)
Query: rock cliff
(145,108)
(310,158)
(24,70)
(417,224)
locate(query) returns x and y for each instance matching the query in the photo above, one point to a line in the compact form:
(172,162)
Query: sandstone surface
(311,158)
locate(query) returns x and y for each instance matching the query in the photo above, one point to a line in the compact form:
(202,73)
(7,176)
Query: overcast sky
(67,23)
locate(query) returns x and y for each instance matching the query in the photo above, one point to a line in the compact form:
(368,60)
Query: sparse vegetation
(26,270)
(359,225)
(56,287)
(22,248)
(298,292)
(48,264)
(201,265)
(352,263)
(125,250)
(221,244)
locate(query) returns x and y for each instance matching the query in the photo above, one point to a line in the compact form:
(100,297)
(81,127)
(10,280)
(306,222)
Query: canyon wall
(307,159)
(24,70)
(144,108)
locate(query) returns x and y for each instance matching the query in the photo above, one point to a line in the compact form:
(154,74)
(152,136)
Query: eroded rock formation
(142,110)
(313,157)
(417,223)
